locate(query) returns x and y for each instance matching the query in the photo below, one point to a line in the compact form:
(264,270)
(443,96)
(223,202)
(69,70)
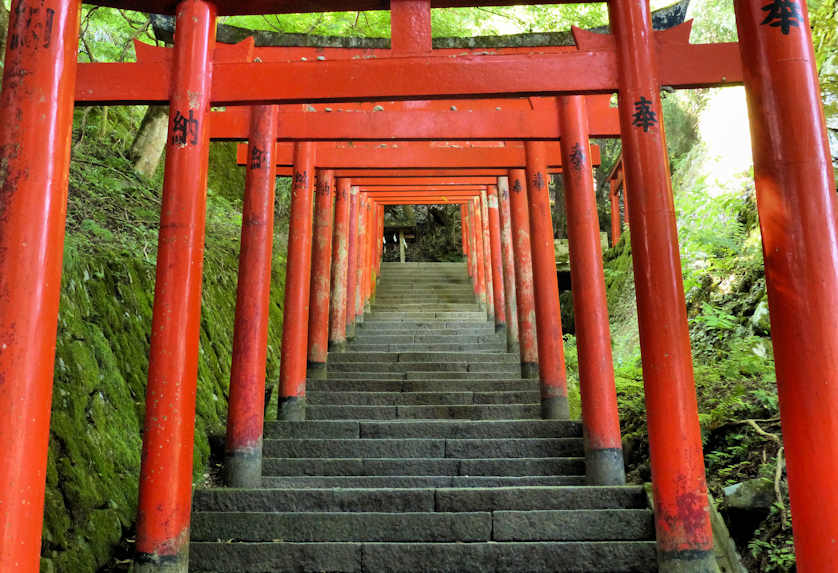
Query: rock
(760,319)
(751,495)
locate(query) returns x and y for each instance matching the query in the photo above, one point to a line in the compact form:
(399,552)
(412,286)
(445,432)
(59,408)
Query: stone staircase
(423,451)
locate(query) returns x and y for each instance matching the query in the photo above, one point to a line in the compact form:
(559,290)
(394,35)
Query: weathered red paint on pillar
(520,218)
(684,536)
(352,262)
(321,275)
(478,247)
(464,230)
(410,26)
(360,268)
(497,259)
(797,213)
(551,366)
(340,266)
(166,473)
(36,112)
(507,253)
(487,255)
(603,444)
(292,372)
(616,225)
(245,416)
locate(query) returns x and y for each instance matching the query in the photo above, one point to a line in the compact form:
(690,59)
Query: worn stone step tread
(549,525)
(335,384)
(472,364)
(423,466)
(424,429)
(353,356)
(467,412)
(477,448)
(508,557)
(441,499)
(404,481)
(422,398)
(339,526)
(494,347)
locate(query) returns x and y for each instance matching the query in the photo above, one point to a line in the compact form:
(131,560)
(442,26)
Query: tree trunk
(4,28)
(148,146)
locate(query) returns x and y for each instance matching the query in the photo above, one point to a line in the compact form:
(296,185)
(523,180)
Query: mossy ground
(103,342)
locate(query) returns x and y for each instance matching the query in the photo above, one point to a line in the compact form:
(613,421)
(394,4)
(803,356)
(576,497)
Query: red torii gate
(794,186)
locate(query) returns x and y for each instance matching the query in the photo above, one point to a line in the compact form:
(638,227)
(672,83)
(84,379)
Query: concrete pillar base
(529,370)
(500,328)
(605,467)
(350,331)
(513,347)
(243,468)
(149,563)
(687,562)
(555,408)
(317,371)
(291,409)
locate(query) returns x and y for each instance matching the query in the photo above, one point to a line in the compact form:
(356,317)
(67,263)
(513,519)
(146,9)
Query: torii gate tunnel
(537,96)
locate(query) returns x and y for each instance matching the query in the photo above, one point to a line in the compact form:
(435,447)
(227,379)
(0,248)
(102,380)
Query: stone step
(320,482)
(476,335)
(423,466)
(423,375)
(473,363)
(495,347)
(508,557)
(425,448)
(423,307)
(422,398)
(336,384)
(450,500)
(437,412)
(424,358)
(419,327)
(414,316)
(424,429)
(384,298)
(549,525)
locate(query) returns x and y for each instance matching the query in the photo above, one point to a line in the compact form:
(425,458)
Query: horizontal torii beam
(454,119)
(592,69)
(406,155)
(396,189)
(374,182)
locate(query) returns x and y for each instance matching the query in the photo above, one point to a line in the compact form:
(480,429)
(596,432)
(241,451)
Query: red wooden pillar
(380,237)
(321,274)
(603,444)
(487,255)
(292,372)
(510,298)
(245,417)
(472,250)
(36,112)
(497,258)
(616,224)
(478,247)
(166,473)
(464,231)
(520,219)
(340,261)
(797,213)
(684,536)
(360,268)
(551,366)
(352,263)
(370,233)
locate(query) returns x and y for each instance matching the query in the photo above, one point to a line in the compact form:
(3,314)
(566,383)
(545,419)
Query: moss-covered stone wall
(102,352)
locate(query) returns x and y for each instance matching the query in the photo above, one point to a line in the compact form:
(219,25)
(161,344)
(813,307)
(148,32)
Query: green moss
(102,350)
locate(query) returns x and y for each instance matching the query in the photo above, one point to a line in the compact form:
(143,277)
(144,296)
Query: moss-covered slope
(102,351)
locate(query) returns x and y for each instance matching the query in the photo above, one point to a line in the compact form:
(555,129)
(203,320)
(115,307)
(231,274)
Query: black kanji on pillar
(643,115)
(783,14)
(577,157)
(185,129)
